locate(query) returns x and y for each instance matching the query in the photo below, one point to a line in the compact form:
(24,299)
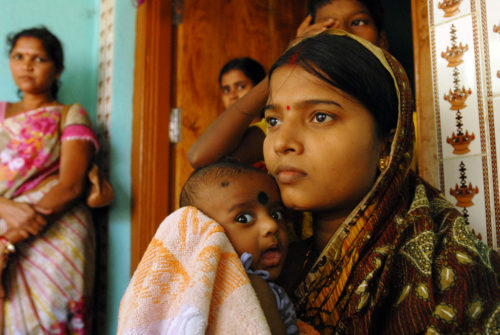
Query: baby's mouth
(271,257)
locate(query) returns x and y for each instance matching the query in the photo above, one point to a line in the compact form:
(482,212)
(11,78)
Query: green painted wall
(121,144)
(76,23)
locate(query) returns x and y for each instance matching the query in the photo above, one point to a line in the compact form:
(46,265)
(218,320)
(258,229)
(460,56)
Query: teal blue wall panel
(76,23)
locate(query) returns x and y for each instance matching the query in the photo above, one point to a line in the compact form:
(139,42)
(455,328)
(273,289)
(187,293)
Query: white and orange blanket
(190,281)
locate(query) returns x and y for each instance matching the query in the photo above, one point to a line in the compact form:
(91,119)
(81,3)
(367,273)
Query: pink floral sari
(48,281)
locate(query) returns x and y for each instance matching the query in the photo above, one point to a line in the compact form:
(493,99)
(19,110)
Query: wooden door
(177,65)
(211,33)
(427,158)
(150,170)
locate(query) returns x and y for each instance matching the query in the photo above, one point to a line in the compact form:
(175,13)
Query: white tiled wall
(463,7)
(493,24)
(470,26)
(474,174)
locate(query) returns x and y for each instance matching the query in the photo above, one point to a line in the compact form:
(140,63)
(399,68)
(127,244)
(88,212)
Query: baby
(246,202)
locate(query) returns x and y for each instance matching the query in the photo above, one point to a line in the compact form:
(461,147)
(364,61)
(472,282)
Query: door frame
(151,168)
(424,99)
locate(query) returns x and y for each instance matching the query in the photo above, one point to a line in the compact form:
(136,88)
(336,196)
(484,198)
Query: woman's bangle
(9,247)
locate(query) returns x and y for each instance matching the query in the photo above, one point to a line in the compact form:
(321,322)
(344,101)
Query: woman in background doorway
(237,77)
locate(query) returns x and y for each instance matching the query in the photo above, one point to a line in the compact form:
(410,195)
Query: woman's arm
(225,134)
(249,149)
(24,219)
(76,156)
(22,216)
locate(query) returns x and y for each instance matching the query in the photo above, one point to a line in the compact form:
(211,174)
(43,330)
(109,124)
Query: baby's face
(249,208)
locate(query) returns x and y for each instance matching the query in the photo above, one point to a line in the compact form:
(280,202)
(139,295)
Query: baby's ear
(383,42)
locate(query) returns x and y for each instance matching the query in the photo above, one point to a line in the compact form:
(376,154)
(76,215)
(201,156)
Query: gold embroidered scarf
(404,260)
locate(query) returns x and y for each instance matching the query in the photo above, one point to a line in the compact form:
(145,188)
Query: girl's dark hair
(250,68)
(374,7)
(346,64)
(51,45)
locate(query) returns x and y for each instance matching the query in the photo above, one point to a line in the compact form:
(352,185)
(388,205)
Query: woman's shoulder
(76,106)
(74,114)
(3,108)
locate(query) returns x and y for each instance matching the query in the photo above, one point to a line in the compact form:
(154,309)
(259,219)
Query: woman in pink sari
(46,232)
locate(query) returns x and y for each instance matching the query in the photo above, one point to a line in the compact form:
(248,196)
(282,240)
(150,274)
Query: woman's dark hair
(51,45)
(346,64)
(250,68)
(374,7)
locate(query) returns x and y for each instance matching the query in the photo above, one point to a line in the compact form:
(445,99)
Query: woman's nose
(28,64)
(286,140)
(233,93)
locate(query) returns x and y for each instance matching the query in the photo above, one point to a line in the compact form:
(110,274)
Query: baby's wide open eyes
(277,215)
(244,218)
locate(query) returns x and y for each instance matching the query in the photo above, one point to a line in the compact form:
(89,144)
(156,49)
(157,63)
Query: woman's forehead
(292,83)
(28,43)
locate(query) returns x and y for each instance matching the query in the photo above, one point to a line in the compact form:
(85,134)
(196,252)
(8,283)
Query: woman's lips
(25,78)
(289,175)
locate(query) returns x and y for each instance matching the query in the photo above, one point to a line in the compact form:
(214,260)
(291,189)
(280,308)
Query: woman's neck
(33,101)
(325,225)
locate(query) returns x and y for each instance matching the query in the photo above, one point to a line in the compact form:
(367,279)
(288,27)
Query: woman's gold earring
(383,163)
